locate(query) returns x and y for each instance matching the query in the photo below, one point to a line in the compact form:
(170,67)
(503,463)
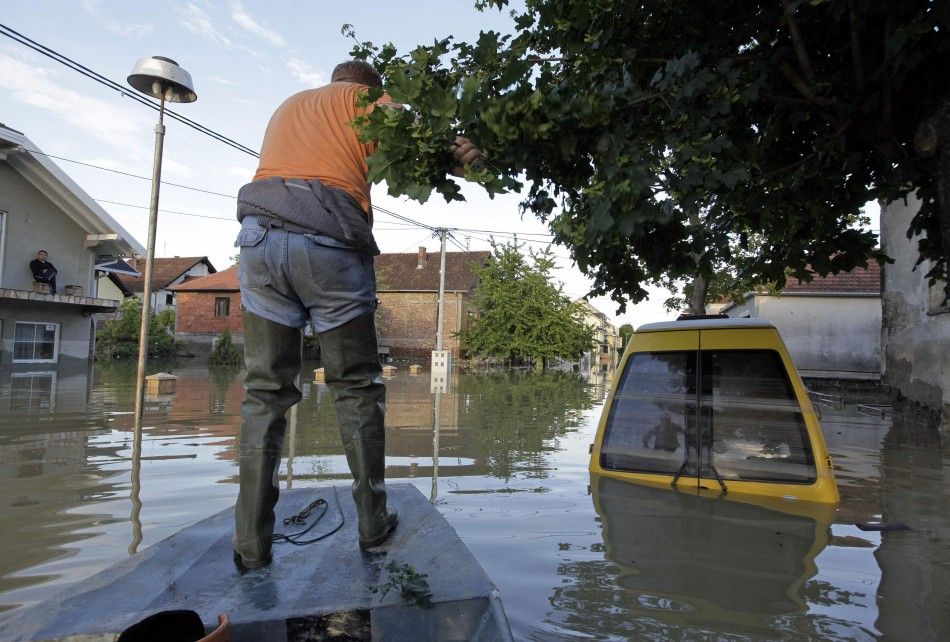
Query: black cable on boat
(300,518)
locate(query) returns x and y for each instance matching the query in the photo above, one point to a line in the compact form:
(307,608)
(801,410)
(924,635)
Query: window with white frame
(31,391)
(35,342)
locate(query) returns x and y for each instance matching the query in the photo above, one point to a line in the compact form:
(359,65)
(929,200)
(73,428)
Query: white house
(831,324)
(42,208)
(167,272)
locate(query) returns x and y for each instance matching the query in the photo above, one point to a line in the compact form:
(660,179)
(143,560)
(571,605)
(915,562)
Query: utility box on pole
(441,379)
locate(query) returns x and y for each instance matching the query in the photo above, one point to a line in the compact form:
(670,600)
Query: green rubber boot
(272,357)
(351,365)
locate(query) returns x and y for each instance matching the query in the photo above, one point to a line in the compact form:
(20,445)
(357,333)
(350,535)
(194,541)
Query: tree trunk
(943,186)
(697,303)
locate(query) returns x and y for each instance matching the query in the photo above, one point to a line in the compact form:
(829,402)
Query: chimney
(422,258)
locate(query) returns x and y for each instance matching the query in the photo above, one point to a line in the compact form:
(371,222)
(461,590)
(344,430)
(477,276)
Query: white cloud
(245,173)
(221,81)
(305,73)
(39,87)
(197,21)
(90,5)
(130,28)
(172,168)
(255,28)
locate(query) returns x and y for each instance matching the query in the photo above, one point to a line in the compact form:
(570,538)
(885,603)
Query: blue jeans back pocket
(252,268)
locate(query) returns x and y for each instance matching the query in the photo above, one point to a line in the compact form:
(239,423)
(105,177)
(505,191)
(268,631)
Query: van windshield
(731,412)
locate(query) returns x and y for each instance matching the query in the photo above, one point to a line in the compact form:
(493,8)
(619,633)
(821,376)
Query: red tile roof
(223,281)
(394,273)
(857,281)
(164,271)
(400,272)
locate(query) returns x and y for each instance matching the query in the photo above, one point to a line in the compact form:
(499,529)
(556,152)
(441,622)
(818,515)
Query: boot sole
(376,541)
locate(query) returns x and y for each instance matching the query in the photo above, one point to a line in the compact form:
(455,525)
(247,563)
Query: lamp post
(160,78)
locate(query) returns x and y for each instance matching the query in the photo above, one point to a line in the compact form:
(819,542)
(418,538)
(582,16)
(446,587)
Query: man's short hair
(42,252)
(357,71)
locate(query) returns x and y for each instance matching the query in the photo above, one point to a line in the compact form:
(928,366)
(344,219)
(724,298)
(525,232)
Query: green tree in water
(119,339)
(521,314)
(224,352)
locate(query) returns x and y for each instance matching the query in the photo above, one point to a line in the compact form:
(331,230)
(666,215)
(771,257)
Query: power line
(405,219)
(111,84)
(116,171)
(231,219)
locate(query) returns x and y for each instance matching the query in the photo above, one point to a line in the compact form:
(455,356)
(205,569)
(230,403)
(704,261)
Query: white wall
(159,297)
(833,336)
(74,329)
(33,223)
(916,331)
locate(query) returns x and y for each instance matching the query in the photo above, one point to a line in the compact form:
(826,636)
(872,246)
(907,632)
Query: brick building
(407,288)
(408,291)
(207,306)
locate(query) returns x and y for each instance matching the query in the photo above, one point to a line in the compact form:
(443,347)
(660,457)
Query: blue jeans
(289,278)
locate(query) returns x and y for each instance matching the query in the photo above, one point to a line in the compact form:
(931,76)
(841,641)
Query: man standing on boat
(306,253)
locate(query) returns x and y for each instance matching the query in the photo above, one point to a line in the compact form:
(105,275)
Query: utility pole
(441,371)
(438,337)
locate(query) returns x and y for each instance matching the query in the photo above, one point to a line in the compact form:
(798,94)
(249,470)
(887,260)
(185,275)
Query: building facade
(41,208)
(167,272)
(829,324)
(208,306)
(408,293)
(916,319)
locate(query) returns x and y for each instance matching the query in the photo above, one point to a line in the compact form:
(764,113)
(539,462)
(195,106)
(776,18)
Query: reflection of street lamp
(160,78)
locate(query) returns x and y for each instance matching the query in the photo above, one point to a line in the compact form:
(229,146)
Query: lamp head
(158,76)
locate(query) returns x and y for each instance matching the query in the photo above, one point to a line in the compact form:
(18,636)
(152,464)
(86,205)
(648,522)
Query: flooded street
(574,557)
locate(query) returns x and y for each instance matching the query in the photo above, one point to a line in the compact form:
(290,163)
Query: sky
(245,58)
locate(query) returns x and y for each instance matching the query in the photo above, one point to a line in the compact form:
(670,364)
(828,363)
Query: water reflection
(675,560)
(512,468)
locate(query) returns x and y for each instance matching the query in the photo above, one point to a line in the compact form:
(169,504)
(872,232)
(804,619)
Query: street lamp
(160,78)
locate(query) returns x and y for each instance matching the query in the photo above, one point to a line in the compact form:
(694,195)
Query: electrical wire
(111,84)
(116,171)
(405,219)
(230,219)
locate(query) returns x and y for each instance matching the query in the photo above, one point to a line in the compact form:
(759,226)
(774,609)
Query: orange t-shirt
(310,136)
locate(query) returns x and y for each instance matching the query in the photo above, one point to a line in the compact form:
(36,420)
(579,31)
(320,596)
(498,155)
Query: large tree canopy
(658,137)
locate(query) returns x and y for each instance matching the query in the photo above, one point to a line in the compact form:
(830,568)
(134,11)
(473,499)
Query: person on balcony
(44,271)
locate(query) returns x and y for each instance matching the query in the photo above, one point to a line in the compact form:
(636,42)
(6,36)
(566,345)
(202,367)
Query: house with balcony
(42,208)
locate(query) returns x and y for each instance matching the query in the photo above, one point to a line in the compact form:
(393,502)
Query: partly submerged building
(41,208)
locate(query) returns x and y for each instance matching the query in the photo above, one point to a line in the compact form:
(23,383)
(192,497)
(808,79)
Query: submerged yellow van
(713,405)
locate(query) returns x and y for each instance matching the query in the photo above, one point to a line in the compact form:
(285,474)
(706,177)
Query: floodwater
(574,558)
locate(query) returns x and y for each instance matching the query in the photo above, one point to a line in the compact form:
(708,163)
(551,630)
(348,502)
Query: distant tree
(625,331)
(520,313)
(119,339)
(224,352)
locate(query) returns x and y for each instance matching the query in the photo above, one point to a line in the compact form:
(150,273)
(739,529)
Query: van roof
(704,324)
